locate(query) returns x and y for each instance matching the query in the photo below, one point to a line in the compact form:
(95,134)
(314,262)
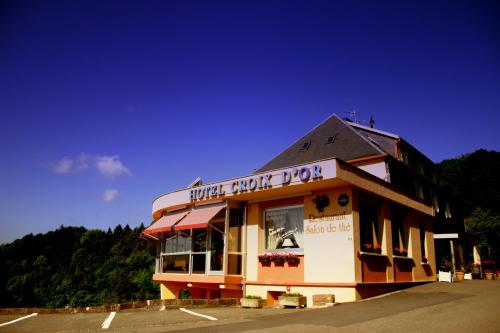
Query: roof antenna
(372,122)
(351,116)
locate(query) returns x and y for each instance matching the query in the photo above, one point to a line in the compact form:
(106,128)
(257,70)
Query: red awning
(199,218)
(165,223)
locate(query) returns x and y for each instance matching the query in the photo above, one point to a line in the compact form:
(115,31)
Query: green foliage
(184,294)
(293,294)
(473,181)
(484,225)
(77,267)
(253,297)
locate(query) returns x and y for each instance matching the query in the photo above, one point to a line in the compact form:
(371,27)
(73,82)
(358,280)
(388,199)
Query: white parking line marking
(18,319)
(108,320)
(198,314)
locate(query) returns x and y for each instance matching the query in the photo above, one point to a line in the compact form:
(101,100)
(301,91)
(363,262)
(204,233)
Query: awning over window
(199,218)
(165,223)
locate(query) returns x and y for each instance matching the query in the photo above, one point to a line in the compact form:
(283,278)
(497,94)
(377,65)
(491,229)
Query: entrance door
(217,248)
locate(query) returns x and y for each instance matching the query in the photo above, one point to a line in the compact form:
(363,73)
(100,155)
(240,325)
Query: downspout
(244,249)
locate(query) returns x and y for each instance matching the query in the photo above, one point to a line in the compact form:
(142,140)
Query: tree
(78,267)
(484,225)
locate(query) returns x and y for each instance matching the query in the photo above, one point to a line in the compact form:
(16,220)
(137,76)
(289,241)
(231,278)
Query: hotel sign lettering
(256,183)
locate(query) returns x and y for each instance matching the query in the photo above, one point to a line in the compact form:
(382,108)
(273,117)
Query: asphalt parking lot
(468,306)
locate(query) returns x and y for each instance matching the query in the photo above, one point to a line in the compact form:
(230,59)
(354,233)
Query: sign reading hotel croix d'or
(256,183)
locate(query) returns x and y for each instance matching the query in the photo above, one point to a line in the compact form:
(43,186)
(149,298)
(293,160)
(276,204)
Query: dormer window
(332,138)
(305,145)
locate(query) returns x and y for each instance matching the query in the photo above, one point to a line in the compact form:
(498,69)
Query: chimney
(372,122)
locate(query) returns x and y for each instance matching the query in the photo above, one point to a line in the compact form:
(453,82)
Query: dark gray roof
(332,138)
(384,140)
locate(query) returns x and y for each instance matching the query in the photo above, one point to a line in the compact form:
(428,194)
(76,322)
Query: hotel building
(347,210)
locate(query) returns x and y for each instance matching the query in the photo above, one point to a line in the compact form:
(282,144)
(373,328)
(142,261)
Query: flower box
(445,277)
(367,247)
(252,302)
(397,251)
(264,258)
(279,258)
(292,300)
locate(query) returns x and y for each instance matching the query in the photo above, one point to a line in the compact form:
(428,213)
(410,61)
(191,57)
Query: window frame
(399,225)
(423,238)
(299,250)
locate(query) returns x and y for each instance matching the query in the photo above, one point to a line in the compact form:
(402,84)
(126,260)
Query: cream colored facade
(332,258)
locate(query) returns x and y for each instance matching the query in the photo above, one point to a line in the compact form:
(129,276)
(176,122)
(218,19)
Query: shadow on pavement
(344,314)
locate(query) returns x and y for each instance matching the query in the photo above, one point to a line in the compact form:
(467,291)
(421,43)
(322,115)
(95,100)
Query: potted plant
(251,301)
(488,274)
(459,274)
(400,251)
(367,247)
(292,259)
(377,249)
(278,258)
(292,300)
(475,270)
(488,268)
(445,270)
(264,258)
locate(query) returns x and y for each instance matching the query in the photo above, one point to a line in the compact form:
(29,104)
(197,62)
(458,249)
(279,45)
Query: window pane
(171,243)
(199,240)
(284,228)
(396,224)
(199,261)
(234,264)
(183,241)
(399,230)
(370,226)
(217,246)
(176,263)
(422,238)
(235,223)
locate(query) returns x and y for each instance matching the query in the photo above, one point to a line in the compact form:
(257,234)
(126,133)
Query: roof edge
(391,135)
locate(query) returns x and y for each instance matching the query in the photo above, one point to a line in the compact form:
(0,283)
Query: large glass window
(217,246)
(178,248)
(421,228)
(399,233)
(234,255)
(284,227)
(203,250)
(371,228)
(199,251)
(178,263)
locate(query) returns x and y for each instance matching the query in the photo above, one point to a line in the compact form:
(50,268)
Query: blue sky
(107,104)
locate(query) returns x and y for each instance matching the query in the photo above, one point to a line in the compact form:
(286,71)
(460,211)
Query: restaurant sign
(256,183)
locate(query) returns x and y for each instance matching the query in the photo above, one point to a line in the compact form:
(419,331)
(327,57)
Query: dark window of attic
(305,145)
(332,138)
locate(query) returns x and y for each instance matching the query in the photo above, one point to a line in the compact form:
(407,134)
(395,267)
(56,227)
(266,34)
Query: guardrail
(147,305)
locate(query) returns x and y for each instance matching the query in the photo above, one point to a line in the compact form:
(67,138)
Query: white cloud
(72,165)
(111,166)
(63,166)
(109,195)
(108,166)
(83,161)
